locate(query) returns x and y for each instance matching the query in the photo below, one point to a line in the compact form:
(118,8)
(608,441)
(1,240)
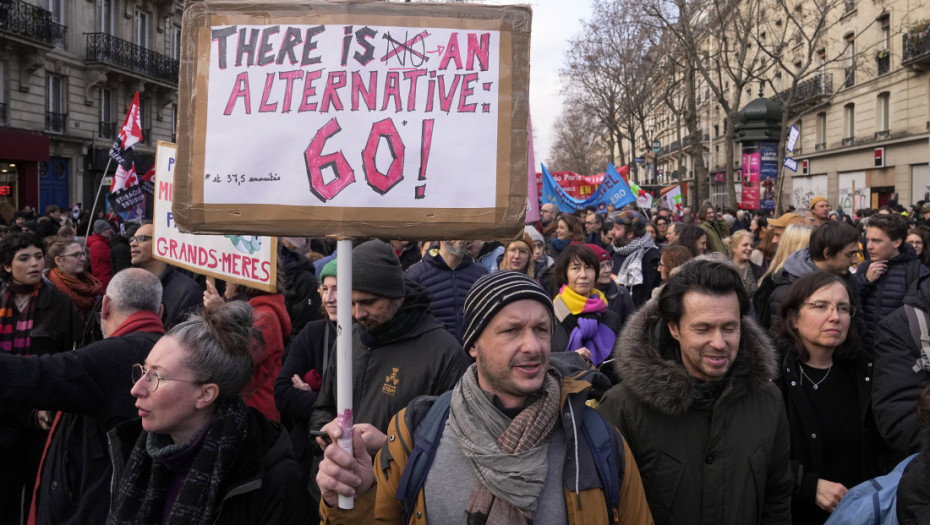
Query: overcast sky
(554,22)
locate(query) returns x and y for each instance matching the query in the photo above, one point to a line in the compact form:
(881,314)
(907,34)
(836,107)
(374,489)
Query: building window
(142,29)
(821,131)
(57,8)
(55,109)
(850,78)
(849,124)
(882,115)
(174,122)
(4,108)
(107,127)
(145,120)
(176,43)
(106,16)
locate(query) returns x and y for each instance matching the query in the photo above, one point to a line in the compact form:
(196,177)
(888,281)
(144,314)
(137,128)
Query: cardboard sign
(244,259)
(353,119)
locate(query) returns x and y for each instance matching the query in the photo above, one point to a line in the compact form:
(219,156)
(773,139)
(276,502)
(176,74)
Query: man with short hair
(98,248)
(783,222)
(833,248)
(399,350)
(674,231)
(820,210)
(885,278)
(91,387)
(447,273)
(548,220)
(635,256)
(513,442)
(593,224)
(697,405)
(181,295)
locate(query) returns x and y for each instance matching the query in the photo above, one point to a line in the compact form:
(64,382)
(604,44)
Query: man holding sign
(513,443)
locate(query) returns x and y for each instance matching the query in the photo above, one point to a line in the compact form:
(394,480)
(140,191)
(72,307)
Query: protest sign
(353,119)
(242,259)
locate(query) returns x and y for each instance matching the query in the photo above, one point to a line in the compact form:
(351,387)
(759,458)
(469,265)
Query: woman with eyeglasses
(35,319)
(917,238)
(197,454)
(826,384)
(66,272)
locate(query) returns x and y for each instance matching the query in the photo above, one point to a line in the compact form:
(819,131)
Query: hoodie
(272,320)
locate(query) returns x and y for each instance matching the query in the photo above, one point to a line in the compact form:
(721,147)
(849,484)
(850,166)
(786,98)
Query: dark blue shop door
(53,184)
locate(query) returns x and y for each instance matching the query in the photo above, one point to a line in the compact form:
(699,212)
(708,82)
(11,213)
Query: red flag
(149,175)
(124,178)
(131,132)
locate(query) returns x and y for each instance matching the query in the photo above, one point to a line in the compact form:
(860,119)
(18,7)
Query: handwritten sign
(353,119)
(243,259)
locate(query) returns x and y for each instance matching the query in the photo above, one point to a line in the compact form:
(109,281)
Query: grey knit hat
(376,270)
(101,226)
(491,293)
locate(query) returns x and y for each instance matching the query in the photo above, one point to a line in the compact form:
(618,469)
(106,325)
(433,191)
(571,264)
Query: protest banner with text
(353,119)
(243,259)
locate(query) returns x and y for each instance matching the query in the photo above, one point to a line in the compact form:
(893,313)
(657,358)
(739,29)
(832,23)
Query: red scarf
(83,288)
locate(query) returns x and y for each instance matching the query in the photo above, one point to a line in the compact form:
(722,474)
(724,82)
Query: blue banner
(613,190)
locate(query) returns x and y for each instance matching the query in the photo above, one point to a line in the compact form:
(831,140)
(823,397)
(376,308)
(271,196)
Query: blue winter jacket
(449,287)
(887,293)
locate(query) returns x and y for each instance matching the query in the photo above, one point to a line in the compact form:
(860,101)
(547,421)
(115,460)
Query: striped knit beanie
(491,293)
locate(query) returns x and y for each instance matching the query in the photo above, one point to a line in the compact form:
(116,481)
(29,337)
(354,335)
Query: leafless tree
(578,144)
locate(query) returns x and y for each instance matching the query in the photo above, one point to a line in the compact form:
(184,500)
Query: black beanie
(376,270)
(491,293)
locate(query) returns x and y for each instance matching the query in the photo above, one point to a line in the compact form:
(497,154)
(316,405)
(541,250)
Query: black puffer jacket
(181,295)
(419,358)
(722,460)
(897,386)
(913,504)
(887,293)
(300,288)
(449,287)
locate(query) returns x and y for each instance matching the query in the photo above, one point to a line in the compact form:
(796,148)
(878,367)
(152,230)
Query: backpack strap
(608,456)
(918,323)
(426,435)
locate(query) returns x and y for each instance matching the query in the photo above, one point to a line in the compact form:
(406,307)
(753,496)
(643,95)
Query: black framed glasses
(140,238)
(153,378)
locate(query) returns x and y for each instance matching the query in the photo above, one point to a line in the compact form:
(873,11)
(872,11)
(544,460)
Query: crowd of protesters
(626,366)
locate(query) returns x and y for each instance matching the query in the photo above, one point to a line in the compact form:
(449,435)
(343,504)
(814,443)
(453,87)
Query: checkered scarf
(509,456)
(145,481)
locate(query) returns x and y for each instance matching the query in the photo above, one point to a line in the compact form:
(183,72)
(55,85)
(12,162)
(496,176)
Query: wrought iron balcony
(34,23)
(56,122)
(106,130)
(850,77)
(883,60)
(849,141)
(104,48)
(916,49)
(809,92)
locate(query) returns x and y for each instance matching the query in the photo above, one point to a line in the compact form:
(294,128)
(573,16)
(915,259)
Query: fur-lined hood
(648,361)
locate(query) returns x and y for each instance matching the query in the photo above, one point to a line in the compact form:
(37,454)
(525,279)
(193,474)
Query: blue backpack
(871,502)
(428,431)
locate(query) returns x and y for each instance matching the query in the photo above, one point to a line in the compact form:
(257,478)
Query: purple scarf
(593,335)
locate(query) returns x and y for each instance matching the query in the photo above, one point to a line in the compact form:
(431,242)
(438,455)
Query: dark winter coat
(181,295)
(409,256)
(896,386)
(723,461)
(449,287)
(424,360)
(651,276)
(887,293)
(807,453)
(120,258)
(91,385)
(913,504)
(619,300)
(264,485)
(300,288)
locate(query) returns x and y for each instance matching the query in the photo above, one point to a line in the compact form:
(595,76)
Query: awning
(23,145)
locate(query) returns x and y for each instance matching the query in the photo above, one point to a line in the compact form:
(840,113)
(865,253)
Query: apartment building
(68,72)
(863,114)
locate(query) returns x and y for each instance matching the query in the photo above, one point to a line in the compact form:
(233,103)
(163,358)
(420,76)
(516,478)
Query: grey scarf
(509,456)
(630,272)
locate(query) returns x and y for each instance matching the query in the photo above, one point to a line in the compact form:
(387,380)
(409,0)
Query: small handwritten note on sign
(249,260)
(358,119)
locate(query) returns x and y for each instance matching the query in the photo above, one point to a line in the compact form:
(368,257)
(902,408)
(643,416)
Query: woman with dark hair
(583,322)
(198,454)
(918,238)
(826,384)
(35,319)
(66,272)
(272,321)
(716,229)
(569,229)
(694,239)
